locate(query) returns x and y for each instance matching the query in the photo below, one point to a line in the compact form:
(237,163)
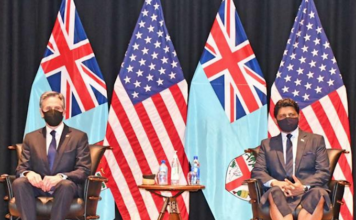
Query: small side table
(171,200)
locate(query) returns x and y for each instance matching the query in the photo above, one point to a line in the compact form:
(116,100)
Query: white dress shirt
(58,130)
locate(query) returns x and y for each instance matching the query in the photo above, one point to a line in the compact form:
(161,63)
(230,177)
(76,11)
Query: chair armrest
(92,191)
(97,178)
(255,190)
(2,178)
(7,180)
(337,188)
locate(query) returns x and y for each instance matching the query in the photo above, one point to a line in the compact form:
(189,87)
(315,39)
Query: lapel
(302,140)
(277,142)
(43,148)
(62,145)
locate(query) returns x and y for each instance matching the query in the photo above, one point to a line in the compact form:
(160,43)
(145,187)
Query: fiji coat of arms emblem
(239,170)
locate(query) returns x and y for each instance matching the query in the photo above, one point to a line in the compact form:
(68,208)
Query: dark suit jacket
(72,159)
(312,162)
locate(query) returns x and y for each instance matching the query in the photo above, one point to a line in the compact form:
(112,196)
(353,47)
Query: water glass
(192,178)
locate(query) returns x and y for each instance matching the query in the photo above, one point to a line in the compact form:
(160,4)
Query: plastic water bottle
(196,169)
(175,170)
(162,173)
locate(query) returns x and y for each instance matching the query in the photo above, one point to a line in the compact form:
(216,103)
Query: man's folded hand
(50,181)
(281,184)
(34,178)
(294,189)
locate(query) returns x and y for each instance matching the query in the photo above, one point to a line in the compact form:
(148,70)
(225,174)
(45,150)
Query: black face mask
(288,124)
(53,117)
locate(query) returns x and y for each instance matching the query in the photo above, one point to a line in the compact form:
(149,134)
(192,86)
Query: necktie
(52,150)
(289,156)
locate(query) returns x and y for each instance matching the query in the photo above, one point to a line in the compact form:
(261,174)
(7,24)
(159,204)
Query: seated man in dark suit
(294,168)
(55,162)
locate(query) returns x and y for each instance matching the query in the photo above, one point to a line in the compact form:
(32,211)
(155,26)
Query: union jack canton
(70,65)
(231,66)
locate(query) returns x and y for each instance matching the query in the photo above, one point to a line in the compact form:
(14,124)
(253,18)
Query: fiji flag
(227,113)
(69,67)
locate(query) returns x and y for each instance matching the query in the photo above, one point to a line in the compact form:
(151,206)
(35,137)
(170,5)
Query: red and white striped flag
(309,74)
(147,117)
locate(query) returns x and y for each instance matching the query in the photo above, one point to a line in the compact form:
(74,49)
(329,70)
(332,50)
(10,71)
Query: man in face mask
(293,167)
(55,162)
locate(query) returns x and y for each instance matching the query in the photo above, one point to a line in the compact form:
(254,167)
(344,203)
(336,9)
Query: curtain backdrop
(25,27)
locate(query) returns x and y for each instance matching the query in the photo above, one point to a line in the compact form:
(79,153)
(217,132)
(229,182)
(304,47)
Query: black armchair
(81,208)
(336,187)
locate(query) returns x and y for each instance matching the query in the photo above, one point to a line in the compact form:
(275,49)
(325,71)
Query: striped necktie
(289,156)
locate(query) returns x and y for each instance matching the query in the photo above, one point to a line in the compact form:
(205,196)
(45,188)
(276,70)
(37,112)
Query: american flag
(231,66)
(147,117)
(309,74)
(70,65)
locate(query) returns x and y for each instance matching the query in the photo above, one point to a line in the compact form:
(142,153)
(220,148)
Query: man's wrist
(306,188)
(24,173)
(273,182)
(64,177)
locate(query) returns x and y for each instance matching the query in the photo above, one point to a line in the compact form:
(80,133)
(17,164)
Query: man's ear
(42,115)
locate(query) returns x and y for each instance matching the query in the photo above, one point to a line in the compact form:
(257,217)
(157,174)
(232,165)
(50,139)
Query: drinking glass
(192,178)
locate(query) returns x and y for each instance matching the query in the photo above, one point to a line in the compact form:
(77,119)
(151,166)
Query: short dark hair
(48,94)
(287,102)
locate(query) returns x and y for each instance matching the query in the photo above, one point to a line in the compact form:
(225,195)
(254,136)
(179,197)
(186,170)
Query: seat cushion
(44,207)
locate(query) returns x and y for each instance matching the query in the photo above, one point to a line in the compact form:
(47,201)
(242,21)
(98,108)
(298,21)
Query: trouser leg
(280,200)
(63,195)
(311,199)
(25,198)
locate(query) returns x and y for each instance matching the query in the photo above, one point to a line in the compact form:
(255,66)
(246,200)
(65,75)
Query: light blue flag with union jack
(69,66)
(227,113)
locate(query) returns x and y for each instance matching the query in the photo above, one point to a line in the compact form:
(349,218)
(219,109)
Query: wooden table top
(156,187)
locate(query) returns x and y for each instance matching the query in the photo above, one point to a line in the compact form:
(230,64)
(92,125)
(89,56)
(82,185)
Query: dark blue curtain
(25,27)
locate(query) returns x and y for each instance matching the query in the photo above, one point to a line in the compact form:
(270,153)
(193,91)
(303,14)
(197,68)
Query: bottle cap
(163,161)
(195,157)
